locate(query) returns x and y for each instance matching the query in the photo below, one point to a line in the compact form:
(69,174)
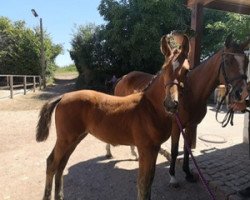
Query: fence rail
(11,85)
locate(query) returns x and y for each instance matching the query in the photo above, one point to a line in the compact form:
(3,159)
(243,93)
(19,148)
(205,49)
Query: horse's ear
(165,49)
(229,40)
(185,45)
(246,45)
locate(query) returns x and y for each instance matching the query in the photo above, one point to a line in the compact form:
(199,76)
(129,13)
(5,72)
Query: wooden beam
(191,3)
(236,6)
(230,7)
(195,42)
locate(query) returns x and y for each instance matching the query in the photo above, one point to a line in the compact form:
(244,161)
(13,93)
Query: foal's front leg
(147,161)
(175,137)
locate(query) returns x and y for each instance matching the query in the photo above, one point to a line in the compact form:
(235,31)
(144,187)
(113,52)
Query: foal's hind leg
(55,164)
(49,176)
(132,148)
(108,151)
(52,164)
(61,166)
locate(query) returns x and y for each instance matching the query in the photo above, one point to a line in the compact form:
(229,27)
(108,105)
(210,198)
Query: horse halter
(229,88)
(175,82)
(229,85)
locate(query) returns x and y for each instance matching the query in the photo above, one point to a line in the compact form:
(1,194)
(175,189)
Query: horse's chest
(197,114)
(160,129)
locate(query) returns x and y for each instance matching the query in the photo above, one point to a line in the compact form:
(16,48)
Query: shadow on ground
(97,179)
(226,170)
(59,87)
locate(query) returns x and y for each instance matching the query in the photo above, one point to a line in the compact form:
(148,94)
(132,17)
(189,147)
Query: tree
(133,30)
(88,54)
(130,38)
(218,24)
(20,49)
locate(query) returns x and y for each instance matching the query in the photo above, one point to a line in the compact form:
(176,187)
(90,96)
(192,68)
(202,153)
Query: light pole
(43,64)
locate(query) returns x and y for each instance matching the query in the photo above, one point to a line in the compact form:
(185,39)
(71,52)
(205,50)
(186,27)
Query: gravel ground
(88,174)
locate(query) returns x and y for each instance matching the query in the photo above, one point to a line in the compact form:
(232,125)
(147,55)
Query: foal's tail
(43,125)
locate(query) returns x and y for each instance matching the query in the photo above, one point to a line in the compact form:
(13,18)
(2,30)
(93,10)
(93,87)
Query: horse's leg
(132,148)
(52,165)
(49,176)
(190,131)
(61,166)
(147,161)
(108,151)
(175,136)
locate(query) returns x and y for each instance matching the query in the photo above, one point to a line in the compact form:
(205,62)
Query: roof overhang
(237,6)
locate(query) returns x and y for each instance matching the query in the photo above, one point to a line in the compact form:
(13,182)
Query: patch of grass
(70,69)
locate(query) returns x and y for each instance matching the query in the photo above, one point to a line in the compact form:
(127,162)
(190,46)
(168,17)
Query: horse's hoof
(174,185)
(109,156)
(59,197)
(191,178)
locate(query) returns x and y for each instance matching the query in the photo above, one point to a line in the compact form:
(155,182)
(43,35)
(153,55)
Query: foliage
(134,28)
(67,69)
(130,38)
(20,49)
(218,24)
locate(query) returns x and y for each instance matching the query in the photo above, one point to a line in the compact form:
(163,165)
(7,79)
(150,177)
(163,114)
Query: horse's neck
(156,91)
(203,80)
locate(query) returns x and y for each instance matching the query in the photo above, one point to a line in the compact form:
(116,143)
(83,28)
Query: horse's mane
(151,81)
(234,45)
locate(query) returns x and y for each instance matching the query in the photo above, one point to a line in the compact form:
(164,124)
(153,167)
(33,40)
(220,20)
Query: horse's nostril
(176,103)
(238,94)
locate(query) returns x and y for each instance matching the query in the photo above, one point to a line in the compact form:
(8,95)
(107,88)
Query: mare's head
(233,69)
(175,48)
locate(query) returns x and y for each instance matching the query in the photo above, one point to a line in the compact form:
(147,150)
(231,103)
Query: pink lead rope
(203,180)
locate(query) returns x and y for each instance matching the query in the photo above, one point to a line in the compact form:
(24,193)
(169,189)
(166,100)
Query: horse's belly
(113,136)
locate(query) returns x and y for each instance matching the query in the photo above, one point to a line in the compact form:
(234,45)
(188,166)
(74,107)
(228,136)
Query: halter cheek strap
(229,88)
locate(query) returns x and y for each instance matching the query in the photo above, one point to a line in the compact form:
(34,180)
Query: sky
(60,17)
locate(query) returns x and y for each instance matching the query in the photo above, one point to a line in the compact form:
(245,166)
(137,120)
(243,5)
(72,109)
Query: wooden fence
(8,82)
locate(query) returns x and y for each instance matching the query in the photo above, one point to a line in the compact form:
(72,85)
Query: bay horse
(136,81)
(227,66)
(139,119)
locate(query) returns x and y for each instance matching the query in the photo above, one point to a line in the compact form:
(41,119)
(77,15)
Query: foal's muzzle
(170,105)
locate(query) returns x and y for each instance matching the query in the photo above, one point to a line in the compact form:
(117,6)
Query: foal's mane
(151,81)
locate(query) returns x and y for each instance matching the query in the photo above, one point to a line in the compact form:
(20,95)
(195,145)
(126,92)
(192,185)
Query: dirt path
(88,174)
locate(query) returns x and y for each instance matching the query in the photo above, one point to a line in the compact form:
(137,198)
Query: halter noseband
(175,82)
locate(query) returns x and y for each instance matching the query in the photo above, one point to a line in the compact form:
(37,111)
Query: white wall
(245,129)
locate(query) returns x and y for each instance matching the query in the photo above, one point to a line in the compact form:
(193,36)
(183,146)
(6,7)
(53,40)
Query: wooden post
(195,42)
(40,83)
(34,83)
(24,85)
(11,87)
(8,81)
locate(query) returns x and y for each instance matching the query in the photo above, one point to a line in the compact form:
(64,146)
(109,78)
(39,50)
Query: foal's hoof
(174,185)
(109,156)
(191,178)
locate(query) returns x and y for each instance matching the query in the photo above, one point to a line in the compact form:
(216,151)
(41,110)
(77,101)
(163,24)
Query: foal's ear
(229,40)
(245,45)
(185,45)
(165,49)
